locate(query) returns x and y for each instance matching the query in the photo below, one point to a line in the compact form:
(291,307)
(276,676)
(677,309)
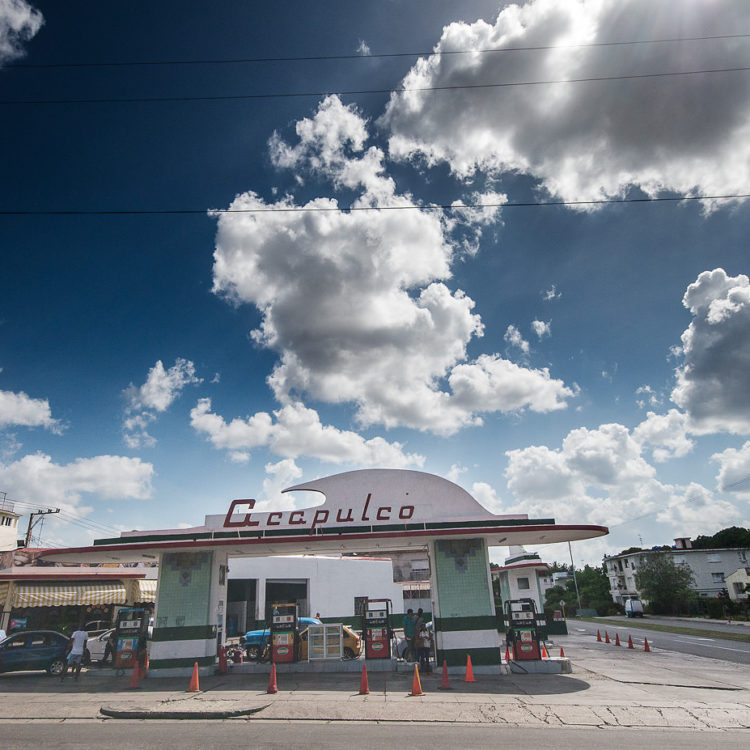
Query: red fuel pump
(131,633)
(376,628)
(522,629)
(283,633)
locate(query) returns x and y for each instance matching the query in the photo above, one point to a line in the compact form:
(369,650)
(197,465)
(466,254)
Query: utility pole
(32,522)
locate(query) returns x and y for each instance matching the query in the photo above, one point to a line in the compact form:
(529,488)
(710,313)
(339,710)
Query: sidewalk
(609,687)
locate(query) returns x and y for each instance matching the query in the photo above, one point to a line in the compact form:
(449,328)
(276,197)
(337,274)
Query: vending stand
(283,633)
(522,631)
(376,628)
(131,632)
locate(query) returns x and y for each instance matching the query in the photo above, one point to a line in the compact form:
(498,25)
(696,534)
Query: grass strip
(645,625)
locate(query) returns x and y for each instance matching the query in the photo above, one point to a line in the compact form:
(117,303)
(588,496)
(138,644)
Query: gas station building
(373,511)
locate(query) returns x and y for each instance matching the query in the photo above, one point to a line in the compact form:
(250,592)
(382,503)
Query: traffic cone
(194,686)
(469,670)
(272,688)
(144,668)
(364,686)
(606,637)
(507,654)
(598,636)
(545,655)
(630,642)
(645,644)
(617,639)
(445,685)
(416,685)
(134,677)
(562,653)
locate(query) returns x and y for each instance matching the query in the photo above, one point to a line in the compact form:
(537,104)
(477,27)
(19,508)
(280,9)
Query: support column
(464,619)
(190,612)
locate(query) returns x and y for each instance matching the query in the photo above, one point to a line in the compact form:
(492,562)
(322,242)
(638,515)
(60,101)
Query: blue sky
(587,362)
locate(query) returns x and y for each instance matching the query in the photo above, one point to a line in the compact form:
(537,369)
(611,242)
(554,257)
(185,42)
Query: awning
(3,593)
(145,591)
(29,595)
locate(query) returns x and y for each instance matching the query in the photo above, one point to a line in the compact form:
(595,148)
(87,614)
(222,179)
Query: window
(739,588)
(523,583)
(717,577)
(714,558)
(626,563)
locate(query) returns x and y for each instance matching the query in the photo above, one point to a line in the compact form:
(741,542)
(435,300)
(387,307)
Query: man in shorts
(76,648)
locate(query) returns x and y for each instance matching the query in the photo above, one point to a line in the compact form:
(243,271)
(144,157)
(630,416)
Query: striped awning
(4,585)
(145,591)
(30,595)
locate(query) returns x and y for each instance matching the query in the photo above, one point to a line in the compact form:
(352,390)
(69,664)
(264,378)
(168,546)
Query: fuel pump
(522,629)
(376,628)
(283,632)
(131,633)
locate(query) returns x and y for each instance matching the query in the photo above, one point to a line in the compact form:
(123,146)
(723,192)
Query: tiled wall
(461,569)
(184,589)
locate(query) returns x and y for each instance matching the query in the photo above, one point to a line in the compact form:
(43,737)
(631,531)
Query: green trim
(251,534)
(456,657)
(345,530)
(473,622)
(186,633)
(480,524)
(155,538)
(202,661)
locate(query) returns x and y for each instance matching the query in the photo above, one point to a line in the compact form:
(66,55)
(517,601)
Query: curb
(142,713)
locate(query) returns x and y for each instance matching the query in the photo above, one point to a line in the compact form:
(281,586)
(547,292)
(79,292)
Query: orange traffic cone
(416,685)
(134,677)
(445,685)
(469,670)
(630,642)
(617,639)
(194,686)
(562,653)
(272,688)
(507,654)
(645,644)
(598,636)
(606,637)
(144,668)
(545,655)
(364,686)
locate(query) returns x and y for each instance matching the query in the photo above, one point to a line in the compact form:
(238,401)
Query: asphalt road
(715,647)
(165,735)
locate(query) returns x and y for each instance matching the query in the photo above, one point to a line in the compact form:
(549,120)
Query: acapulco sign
(367,512)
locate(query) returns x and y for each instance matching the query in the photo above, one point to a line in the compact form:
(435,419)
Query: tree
(733,536)
(664,583)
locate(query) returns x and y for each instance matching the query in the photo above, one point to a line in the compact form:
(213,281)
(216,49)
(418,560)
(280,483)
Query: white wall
(333,581)
(8,533)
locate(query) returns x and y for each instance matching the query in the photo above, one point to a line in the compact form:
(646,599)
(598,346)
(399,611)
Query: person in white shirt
(76,648)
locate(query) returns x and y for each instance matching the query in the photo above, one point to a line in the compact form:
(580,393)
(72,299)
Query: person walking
(424,648)
(76,648)
(110,648)
(410,632)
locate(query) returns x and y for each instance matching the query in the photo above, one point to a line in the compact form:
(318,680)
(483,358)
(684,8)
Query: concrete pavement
(609,687)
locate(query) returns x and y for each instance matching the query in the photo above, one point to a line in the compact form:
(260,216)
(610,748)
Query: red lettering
(293,521)
(380,510)
(272,515)
(367,502)
(348,518)
(320,517)
(229,523)
(403,512)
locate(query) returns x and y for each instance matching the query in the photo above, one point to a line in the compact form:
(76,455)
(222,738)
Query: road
(165,735)
(714,647)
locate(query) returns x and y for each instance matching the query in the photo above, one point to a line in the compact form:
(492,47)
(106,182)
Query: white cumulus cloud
(542,328)
(19,22)
(593,139)
(666,434)
(712,385)
(734,470)
(19,409)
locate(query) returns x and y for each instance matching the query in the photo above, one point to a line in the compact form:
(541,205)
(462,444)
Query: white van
(634,608)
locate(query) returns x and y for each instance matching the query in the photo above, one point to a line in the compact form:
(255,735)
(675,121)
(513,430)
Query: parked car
(97,627)
(34,649)
(352,644)
(256,640)
(97,644)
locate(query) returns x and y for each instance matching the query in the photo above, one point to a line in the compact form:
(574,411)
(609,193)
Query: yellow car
(352,644)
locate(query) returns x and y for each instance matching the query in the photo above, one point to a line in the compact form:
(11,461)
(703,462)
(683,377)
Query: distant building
(737,584)
(710,568)
(524,576)
(8,526)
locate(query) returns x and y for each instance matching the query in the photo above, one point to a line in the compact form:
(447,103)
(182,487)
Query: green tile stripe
(476,622)
(203,661)
(187,633)
(456,657)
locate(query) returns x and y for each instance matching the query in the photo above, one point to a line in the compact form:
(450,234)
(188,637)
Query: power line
(358,56)
(352,209)
(360,92)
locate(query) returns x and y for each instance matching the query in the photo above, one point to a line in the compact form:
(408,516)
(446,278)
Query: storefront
(375,510)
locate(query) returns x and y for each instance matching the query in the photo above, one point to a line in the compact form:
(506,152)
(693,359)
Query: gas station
(372,511)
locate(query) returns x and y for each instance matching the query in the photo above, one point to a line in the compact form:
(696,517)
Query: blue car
(34,649)
(257,640)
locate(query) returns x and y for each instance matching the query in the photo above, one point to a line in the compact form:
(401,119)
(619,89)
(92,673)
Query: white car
(97,644)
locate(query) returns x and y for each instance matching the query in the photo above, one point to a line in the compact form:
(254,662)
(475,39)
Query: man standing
(76,648)
(410,631)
